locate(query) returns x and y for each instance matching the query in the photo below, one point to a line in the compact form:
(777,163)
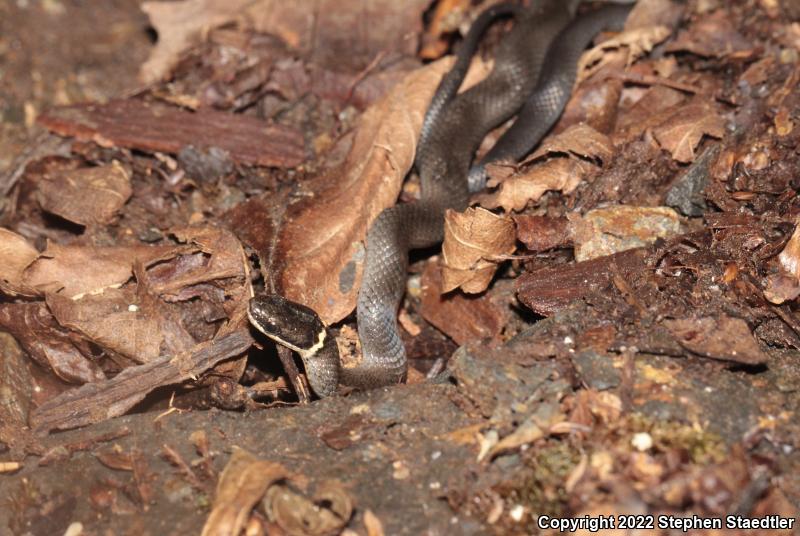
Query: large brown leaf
(79,270)
(87,195)
(320,249)
(684,129)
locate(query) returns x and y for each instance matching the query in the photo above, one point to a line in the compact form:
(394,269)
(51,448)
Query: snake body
(533,73)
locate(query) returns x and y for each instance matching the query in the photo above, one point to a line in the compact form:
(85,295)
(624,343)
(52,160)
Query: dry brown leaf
(655,106)
(373,524)
(326,513)
(53,348)
(781,288)
(790,256)
(138,327)
(605,231)
(86,196)
(580,140)
(541,424)
(653,12)
(320,251)
(684,129)
(243,483)
(319,29)
(721,337)
(462,318)
(16,254)
(475,241)
(711,36)
(79,270)
(595,101)
(559,174)
(627,46)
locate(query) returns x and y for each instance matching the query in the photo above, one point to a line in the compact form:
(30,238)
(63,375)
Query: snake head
(286,322)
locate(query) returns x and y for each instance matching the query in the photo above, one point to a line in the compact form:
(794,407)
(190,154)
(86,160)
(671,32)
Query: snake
(532,77)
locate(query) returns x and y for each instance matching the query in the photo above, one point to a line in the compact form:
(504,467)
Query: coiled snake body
(533,74)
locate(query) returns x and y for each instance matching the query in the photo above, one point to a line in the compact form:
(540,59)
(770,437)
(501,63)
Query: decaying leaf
(712,36)
(87,196)
(242,484)
(605,231)
(135,326)
(475,241)
(721,337)
(781,288)
(629,45)
(462,318)
(657,105)
(16,254)
(580,140)
(540,424)
(319,29)
(77,270)
(17,386)
(47,343)
(684,129)
(558,174)
(320,250)
(327,512)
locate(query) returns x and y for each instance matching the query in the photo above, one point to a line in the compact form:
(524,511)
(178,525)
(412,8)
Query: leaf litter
(664,356)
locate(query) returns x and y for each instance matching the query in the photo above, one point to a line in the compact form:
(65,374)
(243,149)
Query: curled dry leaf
(243,483)
(87,196)
(326,513)
(373,524)
(541,424)
(721,337)
(320,249)
(785,286)
(16,254)
(579,140)
(473,242)
(559,174)
(605,231)
(683,130)
(628,46)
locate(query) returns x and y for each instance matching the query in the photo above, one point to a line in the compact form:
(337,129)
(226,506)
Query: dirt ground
(635,354)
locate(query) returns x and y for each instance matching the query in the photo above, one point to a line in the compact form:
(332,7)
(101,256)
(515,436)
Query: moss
(543,492)
(703,447)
